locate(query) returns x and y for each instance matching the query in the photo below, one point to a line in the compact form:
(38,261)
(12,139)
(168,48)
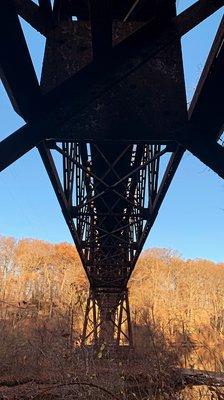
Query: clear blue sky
(191,219)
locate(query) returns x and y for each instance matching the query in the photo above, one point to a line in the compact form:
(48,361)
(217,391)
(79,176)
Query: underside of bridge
(111,124)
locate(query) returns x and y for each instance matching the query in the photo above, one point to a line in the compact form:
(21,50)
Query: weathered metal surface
(32,14)
(100,16)
(150,100)
(78,92)
(208,98)
(107,321)
(120,9)
(16,68)
(108,113)
(69,49)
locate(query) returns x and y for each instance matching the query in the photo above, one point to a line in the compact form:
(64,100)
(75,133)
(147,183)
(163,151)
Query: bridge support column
(107,319)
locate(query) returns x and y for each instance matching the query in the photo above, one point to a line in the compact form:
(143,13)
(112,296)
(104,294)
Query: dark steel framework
(107,319)
(111,124)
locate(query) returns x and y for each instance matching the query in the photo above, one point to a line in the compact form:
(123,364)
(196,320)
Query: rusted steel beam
(206,111)
(210,152)
(206,114)
(32,14)
(101,27)
(16,68)
(95,79)
(121,10)
(49,164)
(22,141)
(165,10)
(166,181)
(60,11)
(46,13)
(92,81)
(162,191)
(45,7)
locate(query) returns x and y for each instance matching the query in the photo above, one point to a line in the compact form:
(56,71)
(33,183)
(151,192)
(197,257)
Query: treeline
(38,273)
(177,305)
(183,300)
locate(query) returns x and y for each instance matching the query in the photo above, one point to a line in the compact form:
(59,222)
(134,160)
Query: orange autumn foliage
(177,305)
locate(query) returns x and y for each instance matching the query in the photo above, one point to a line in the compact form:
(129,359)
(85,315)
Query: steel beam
(206,111)
(46,13)
(60,11)
(101,27)
(95,79)
(45,7)
(210,153)
(166,181)
(206,114)
(160,195)
(32,14)
(16,68)
(107,320)
(58,189)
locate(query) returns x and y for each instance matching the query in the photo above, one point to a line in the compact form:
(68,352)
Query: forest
(177,310)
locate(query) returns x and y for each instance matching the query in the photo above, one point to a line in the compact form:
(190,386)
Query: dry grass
(178,321)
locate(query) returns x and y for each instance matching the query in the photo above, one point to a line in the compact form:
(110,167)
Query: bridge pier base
(107,319)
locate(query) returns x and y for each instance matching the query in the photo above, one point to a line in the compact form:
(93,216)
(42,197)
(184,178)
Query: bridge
(111,124)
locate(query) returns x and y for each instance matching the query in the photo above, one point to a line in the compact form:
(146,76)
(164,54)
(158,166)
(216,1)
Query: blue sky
(191,220)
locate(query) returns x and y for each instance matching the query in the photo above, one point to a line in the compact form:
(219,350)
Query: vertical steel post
(101,327)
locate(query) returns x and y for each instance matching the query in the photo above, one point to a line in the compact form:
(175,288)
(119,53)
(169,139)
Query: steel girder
(111,203)
(93,80)
(38,17)
(107,324)
(108,186)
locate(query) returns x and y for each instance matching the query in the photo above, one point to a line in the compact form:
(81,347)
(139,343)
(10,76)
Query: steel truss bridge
(111,124)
